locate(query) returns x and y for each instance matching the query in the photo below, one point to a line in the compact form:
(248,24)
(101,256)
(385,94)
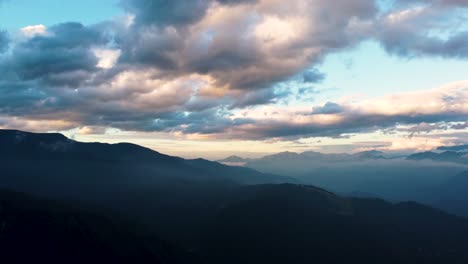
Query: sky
(212,78)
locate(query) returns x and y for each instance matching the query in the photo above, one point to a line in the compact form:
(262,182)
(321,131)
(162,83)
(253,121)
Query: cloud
(62,57)
(424,28)
(92,130)
(426,128)
(412,108)
(4,41)
(459,126)
(215,68)
(34,30)
(404,144)
(313,76)
(328,108)
(107,58)
(439,3)
(272,41)
(259,97)
(167,57)
(174,12)
(164,12)
(35,125)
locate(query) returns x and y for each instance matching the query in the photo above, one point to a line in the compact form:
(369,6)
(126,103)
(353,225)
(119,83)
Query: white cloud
(34,30)
(107,57)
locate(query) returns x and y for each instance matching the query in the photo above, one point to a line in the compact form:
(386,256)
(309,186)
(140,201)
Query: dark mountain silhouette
(446,156)
(303,224)
(256,224)
(457,154)
(123,178)
(33,230)
(18,145)
(52,146)
(210,209)
(454,148)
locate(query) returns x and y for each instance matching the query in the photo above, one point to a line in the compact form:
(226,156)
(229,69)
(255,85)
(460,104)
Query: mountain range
(426,177)
(459,156)
(199,211)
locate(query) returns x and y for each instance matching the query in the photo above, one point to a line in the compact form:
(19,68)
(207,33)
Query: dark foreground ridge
(33,230)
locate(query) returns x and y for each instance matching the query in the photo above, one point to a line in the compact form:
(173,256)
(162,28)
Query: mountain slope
(34,230)
(451,195)
(302,224)
(456,187)
(24,146)
(125,178)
